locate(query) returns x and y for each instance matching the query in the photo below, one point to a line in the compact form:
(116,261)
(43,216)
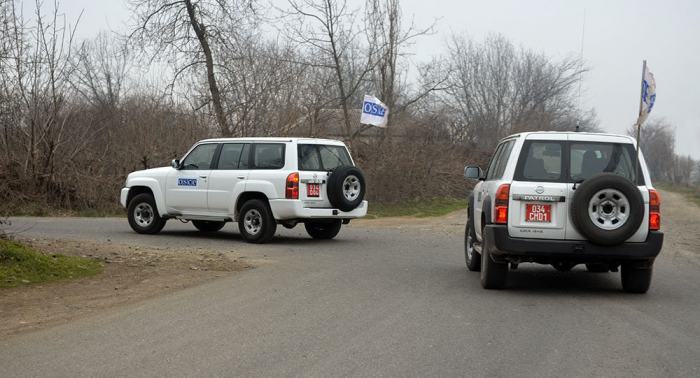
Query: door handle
(241,177)
(203,176)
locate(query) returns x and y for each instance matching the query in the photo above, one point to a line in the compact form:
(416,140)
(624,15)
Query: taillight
(654,210)
(292,186)
(501,204)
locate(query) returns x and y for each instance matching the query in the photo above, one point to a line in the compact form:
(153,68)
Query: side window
(500,161)
(245,157)
(201,157)
(268,156)
(494,161)
(230,156)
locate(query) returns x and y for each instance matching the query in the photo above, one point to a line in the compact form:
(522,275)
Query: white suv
(257,182)
(564,198)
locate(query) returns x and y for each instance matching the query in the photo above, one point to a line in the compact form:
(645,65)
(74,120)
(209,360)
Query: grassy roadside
(691,193)
(433,207)
(21,265)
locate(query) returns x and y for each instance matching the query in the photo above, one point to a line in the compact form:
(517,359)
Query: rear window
(541,161)
(559,161)
(590,158)
(317,157)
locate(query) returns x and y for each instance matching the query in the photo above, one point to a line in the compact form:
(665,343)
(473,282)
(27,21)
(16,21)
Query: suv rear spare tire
(607,209)
(346,187)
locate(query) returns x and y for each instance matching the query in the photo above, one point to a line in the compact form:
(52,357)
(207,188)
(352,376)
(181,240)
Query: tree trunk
(200,31)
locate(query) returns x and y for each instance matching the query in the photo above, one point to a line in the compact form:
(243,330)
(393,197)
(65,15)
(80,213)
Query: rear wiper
(577,182)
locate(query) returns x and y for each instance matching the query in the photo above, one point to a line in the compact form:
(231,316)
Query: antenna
(580,70)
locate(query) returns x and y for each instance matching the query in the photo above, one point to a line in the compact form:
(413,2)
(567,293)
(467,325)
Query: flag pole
(639,127)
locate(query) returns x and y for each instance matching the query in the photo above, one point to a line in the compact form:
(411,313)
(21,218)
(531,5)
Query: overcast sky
(618,36)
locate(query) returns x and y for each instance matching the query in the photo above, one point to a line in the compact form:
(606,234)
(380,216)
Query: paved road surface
(377,301)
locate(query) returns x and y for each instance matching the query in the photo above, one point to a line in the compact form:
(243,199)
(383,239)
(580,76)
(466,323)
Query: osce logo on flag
(186,182)
(373,109)
(374,112)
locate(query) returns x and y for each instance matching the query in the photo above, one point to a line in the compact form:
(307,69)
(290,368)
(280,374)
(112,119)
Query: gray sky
(619,35)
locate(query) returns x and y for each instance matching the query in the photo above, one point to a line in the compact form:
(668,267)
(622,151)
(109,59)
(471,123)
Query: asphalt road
(377,301)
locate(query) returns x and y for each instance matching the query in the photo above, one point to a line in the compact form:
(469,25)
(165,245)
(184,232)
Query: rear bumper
(284,209)
(574,250)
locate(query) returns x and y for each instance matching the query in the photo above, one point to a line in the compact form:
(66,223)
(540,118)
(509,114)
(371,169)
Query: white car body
(208,194)
(564,198)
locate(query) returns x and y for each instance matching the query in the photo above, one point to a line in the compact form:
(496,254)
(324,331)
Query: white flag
(648,95)
(374,112)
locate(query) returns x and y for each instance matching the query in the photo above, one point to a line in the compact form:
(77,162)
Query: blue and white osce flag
(648,95)
(374,112)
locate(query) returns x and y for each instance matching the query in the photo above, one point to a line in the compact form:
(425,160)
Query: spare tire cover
(346,187)
(607,209)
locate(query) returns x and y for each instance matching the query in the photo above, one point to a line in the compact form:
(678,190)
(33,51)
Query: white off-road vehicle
(564,198)
(257,182)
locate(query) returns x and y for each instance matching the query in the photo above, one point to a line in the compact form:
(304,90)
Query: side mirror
(473,173)
(175,163)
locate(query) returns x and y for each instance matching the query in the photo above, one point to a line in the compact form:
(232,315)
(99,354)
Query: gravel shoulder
(131,273)
(134,272)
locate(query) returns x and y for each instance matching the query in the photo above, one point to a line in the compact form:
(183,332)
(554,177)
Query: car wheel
(255,222)
(346,187)
(563,266)
(607,209)
(322,229)
(208,226)
(598,268)
(472,257)
(636,280)
(143,215)
(494,275)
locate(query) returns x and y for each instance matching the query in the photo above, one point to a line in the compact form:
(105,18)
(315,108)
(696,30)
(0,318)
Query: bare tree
(657,141)
(330,32)
(683,169)
(187,33)
(386,28)
(496,89)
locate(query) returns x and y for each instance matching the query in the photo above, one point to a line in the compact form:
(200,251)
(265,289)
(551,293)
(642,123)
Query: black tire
(143,215)
(255,222)
(635,280)
(493,275)
(616,204)
(346,187)
(323,229)
(472,257)
(563,266)
(208,226)
(598,268)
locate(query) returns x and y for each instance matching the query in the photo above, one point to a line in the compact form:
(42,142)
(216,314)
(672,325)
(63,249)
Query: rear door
(316,162)
(592,154)
(538,207)
(229,177)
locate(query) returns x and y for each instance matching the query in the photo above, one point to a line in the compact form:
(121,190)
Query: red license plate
(538,213)
(313,190)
